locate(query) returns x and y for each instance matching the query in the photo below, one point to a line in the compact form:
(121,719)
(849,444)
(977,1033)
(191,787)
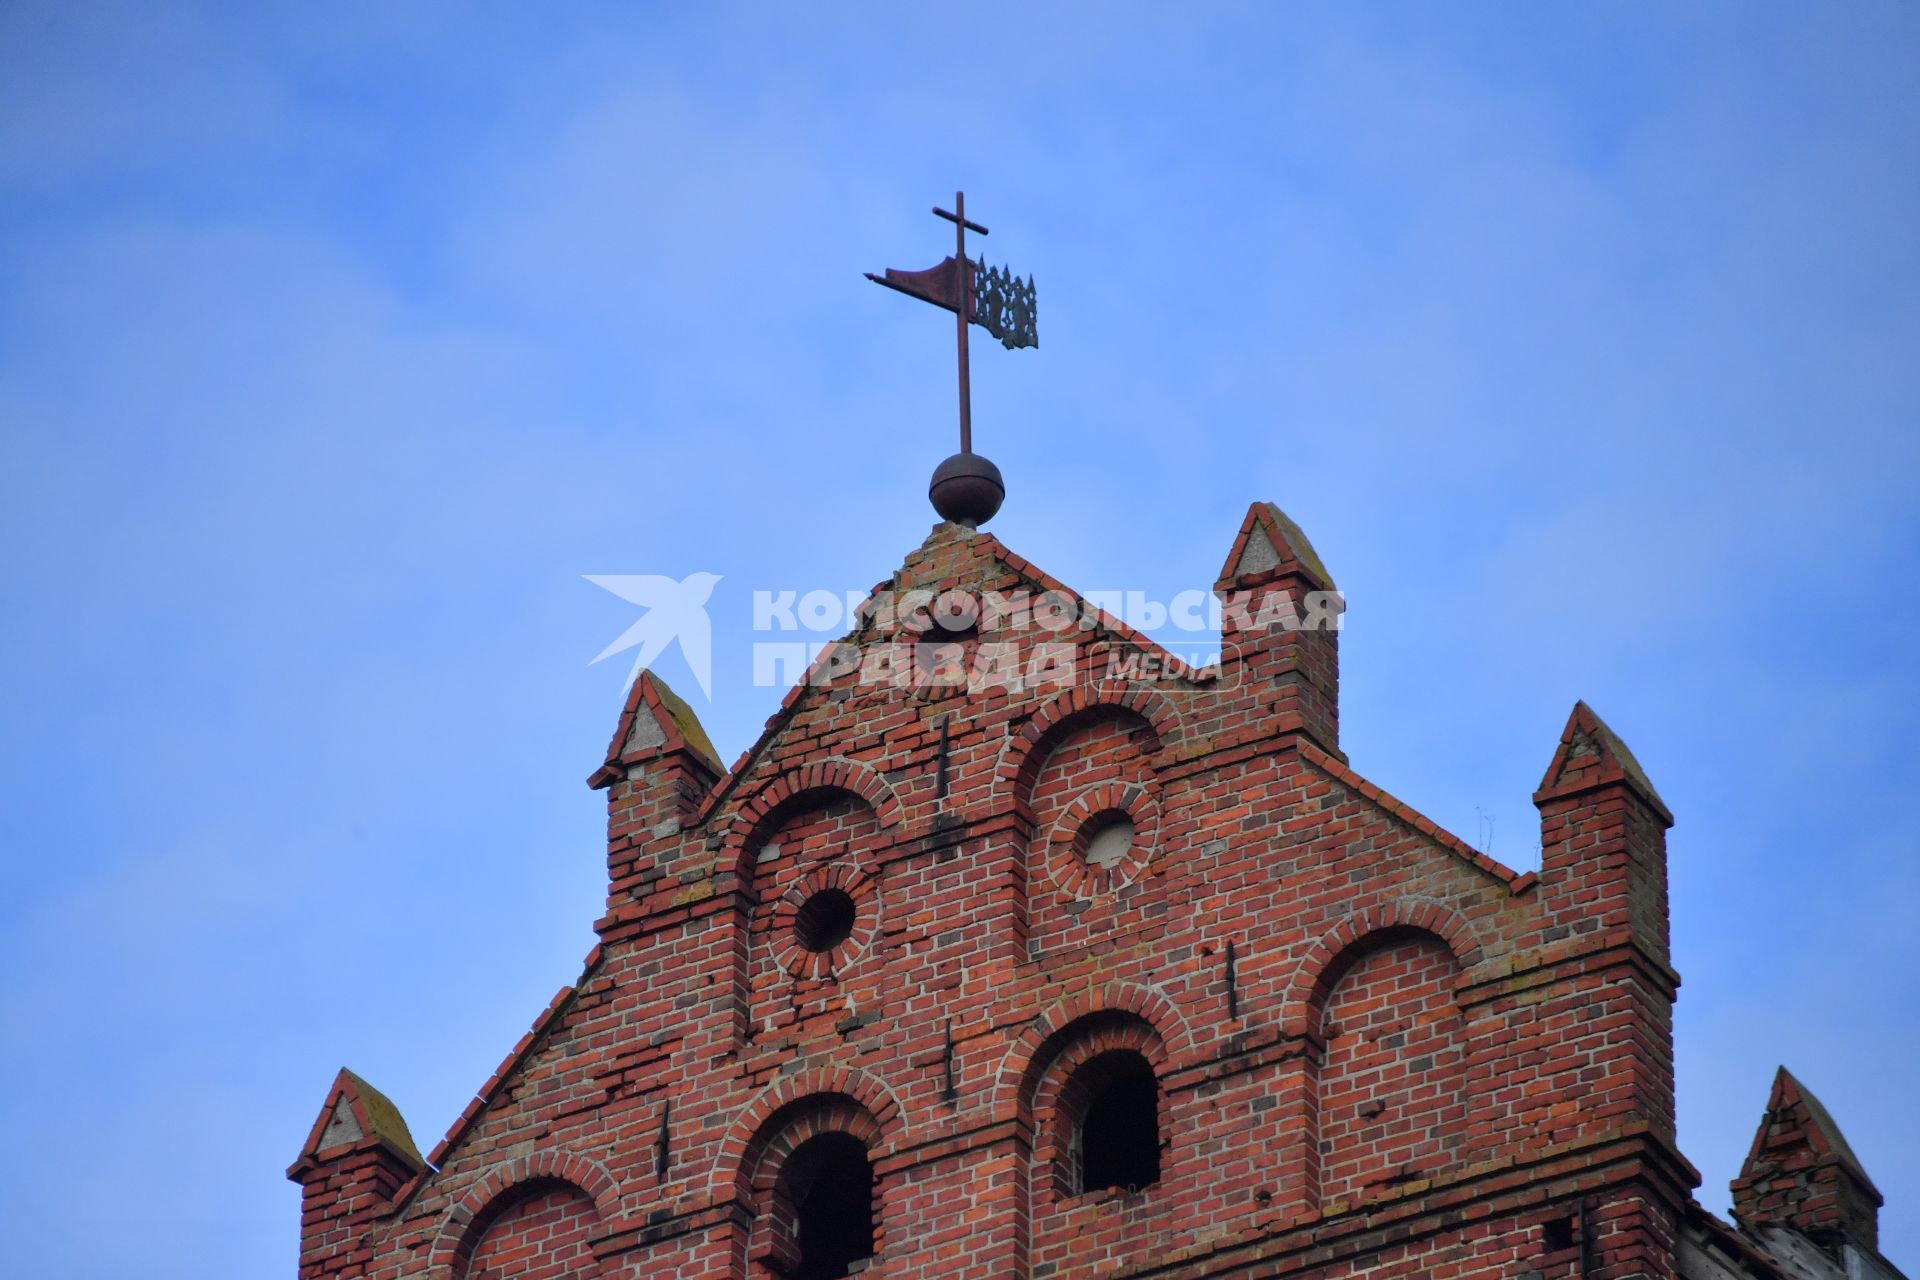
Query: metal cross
(958,285)
(963,290)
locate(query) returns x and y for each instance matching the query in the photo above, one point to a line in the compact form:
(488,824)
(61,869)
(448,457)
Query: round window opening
(1106,839)
(824,920)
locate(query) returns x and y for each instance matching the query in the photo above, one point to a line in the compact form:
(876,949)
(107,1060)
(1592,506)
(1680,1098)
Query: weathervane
(967,488)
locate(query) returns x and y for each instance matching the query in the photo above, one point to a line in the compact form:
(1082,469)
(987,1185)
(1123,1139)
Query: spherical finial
(967,489)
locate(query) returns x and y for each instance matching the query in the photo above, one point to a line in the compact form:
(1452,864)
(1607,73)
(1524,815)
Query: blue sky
(338,342)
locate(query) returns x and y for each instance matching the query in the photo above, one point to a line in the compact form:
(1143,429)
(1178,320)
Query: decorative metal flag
(999,301)
(993,298)
(1003,305)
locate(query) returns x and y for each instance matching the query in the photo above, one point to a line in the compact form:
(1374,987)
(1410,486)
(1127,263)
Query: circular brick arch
(1330,957)
(1087,1038)
(1065,864)
(767,805)
(1027,1055)
(793,790)
(1026,751)
(732,1167)
(470,1215)
(841,958)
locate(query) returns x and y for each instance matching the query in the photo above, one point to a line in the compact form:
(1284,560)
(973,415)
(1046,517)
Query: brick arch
(781,793)
(732,1166)
(779,1149)
(469,1216)
(1323,965)
(1087,1038)
(1059,1089)
(1389,1083)
(1027,1054)
(1025,751)
(765,1179)
(792,1125)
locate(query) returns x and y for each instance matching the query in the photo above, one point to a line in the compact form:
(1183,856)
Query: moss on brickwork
(384,1120)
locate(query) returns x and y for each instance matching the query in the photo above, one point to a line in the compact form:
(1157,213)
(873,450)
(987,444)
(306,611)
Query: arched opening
(828,1182)
(1117,1137)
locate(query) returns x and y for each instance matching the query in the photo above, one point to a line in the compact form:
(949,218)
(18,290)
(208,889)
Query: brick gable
(1377,1052)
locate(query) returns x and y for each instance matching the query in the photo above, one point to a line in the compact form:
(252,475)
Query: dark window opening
(1120,1127)
(824,920)
(833,1206)
(1557,1234)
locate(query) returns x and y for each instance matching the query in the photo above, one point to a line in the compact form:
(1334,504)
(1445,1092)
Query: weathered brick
(1377,1051)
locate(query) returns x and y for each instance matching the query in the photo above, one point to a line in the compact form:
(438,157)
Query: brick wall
(1378,1052)
(1392,1088)
(540,1232)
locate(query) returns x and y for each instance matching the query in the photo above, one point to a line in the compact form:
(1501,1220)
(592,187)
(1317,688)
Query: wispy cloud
(336,344)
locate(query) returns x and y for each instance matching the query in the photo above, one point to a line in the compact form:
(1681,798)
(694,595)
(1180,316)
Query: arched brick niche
(530,1218)
(540,1231)
(817,826)
(1391,1091)
(763,817)
(1109,1058)
(809,1168)
(818,906)
(805,785)
(1028,750)
(1093,801)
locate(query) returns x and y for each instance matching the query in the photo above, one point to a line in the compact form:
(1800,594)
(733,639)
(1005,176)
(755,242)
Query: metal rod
(949,1092)
(1233,984)
(964,292)
(940,772)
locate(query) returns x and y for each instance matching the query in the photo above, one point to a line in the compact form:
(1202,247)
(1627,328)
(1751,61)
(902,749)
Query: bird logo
(674,611)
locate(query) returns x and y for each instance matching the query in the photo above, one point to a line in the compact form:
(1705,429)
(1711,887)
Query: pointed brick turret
(1800,1173)
(655,723)
(1603,860)
(1280,617)
(1271,545)
(1603,894)
(660,765)
(1592,756)
(357,1155)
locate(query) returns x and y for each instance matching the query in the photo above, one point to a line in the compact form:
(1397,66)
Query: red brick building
(1092,975)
